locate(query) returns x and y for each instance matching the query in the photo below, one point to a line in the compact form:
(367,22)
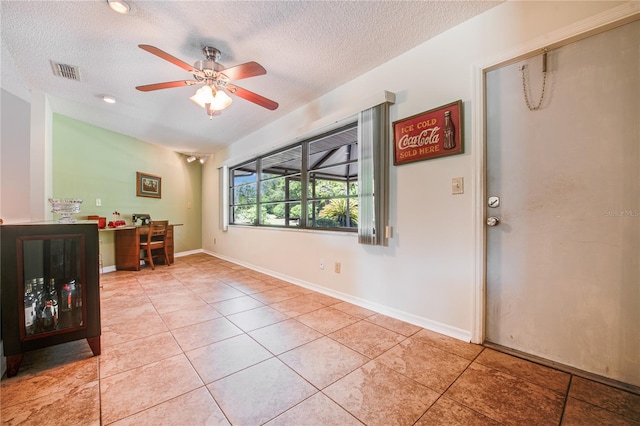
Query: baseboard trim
(112,268)
(188,253)
(445,329)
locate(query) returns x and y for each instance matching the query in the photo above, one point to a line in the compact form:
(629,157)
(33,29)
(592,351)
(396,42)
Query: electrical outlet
(98,202)
(321,263)
(337,267)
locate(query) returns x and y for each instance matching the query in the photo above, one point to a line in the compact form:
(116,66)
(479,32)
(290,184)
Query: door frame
(607,20)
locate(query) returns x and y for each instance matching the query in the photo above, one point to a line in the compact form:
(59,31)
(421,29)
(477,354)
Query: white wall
(426,275)
(41,156)
(14,167)
(14,159)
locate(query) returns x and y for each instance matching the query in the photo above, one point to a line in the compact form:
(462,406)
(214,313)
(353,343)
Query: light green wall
(90,162)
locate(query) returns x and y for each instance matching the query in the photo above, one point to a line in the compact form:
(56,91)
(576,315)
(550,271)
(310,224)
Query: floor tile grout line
(183,353)
(226,416)
(319,390)
(414,380)
(524,379)
(336,380)
(290,408)
(566,399)
(160,403)
(339,405)
(599,406)
(247,333)
(455,400)
(367,318)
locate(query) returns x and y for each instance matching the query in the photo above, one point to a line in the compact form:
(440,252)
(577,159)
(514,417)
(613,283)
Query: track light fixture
(191,157)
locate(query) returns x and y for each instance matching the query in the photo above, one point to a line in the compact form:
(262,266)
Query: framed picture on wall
(431,134)
(148,185)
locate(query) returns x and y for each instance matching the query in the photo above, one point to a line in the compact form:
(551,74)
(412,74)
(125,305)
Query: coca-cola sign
(430,134)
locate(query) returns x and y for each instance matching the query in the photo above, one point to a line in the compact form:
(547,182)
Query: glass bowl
(65,207)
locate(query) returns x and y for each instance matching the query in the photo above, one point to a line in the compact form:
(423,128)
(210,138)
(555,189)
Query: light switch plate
(98,202)
(457,185)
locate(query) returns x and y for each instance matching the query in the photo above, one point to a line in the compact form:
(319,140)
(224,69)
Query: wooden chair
(156,240)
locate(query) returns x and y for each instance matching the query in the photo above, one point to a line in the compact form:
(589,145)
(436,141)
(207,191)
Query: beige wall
(93,163)
(428,274)
(14,159)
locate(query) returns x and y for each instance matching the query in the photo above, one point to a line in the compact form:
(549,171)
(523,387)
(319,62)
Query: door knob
(493,221)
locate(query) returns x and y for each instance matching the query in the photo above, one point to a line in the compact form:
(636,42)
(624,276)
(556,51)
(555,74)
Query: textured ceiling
(307,47)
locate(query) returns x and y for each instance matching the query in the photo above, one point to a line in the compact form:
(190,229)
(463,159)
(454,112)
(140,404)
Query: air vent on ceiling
(67,71)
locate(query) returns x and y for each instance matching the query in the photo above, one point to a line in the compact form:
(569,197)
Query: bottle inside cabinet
(52,273)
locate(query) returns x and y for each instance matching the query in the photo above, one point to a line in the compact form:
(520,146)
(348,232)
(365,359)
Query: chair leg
(150,256)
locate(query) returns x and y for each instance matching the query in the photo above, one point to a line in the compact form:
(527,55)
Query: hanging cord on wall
(544,82)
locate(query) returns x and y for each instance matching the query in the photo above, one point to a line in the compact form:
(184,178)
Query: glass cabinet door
(53,293)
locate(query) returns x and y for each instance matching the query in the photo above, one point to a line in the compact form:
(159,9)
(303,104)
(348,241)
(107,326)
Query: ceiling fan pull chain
(544,83)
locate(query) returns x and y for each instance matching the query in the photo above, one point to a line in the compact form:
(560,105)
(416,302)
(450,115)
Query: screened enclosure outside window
(244,194)
(332,180)
(281,187)
(312,184)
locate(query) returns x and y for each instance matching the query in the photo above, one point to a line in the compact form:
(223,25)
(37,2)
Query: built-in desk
(127,242)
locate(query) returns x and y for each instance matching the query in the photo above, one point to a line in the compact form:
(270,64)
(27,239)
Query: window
(332,180)
(312,184)
(281,188)
(335,181)
(244,194)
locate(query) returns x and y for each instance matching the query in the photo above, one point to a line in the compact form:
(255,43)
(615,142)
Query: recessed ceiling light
(109,99)
(119,6)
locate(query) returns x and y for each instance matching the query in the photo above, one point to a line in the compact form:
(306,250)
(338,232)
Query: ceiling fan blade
(252,97)
(167,57)
(166,85)
(238,72)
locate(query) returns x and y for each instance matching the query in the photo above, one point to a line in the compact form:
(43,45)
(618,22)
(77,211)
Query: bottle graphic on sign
(449,132)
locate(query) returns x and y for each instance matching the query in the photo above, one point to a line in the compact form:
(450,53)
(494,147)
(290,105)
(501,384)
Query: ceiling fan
(216,79)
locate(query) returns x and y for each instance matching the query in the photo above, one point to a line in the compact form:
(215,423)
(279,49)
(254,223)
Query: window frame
(305,201)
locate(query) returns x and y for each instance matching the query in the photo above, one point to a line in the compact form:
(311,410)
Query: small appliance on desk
(143,218)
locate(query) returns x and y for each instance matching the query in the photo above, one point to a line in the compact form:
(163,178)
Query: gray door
(563,262)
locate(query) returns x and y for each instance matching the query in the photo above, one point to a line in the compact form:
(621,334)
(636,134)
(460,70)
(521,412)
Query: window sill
(353,233)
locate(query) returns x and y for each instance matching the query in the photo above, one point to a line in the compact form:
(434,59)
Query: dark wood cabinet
(50,287)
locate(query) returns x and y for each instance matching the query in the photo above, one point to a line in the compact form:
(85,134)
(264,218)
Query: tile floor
(205,341)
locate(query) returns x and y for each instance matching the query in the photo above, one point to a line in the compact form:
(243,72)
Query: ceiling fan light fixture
(221,101)
(119,6)
(203,96)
